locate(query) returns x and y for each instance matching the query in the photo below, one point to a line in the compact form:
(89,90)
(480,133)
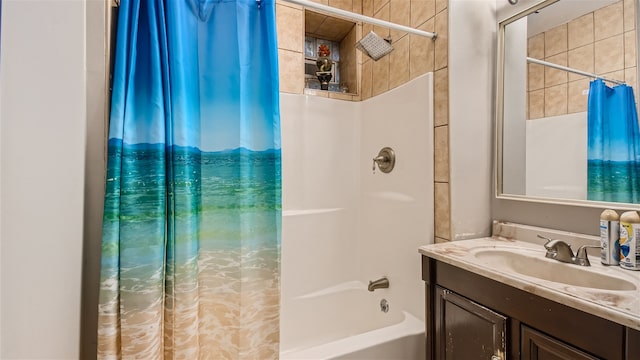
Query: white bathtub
(345,322)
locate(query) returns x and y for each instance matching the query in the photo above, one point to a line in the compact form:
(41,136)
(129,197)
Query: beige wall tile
(382,14)
(367,8)
(290,66)
(555,100)
(357,6)
(608,21)
(441,213)
(441,97)
(378,4)
(536,104)
(342,4)
(582,59)
(615,75)
(555,40)
(535,46)
(366,28)
(629,8)
(535,77)
(421,51)
(442,41)
(577,97)
(441,5)
(609,54)
(380,76)
(581,31)
(399,13)
(399,59)
(348,61)
(290,27)
(439,240)
(281,2)
(340,96)
(366,82)
(553,76)
(441,154)
(421,11)
(630,49)
(315,92)
(631,78)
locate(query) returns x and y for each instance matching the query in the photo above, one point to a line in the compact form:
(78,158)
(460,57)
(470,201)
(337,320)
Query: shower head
(374,46)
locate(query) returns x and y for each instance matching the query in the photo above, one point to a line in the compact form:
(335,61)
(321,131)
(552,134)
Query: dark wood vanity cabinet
(536,345)
(468,330)
(469,316)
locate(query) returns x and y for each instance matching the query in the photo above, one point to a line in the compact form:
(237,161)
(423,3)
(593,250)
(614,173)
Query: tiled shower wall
(412,57)
(601,42)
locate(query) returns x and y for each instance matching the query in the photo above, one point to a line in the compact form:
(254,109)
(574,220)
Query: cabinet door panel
(466,330)
(536,345)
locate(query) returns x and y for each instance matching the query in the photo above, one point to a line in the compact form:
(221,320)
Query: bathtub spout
(382,283)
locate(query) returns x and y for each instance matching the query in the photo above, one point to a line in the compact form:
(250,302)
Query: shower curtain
(191,232)
(613,144)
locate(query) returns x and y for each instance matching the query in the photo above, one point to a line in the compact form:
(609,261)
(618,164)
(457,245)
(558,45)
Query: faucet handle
(550,244)
(545,238)
(581,256)
(380,159)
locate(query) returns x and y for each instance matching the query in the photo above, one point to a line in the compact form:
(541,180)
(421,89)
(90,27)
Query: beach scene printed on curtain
(191,234)
(613,144)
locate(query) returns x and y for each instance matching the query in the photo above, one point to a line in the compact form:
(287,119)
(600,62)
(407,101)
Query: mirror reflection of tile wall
(601,42)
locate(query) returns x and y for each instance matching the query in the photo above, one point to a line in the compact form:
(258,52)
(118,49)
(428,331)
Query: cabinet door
(536,345)
(466,330)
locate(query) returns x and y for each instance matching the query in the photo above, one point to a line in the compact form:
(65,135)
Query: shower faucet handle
(386,160)
(380,159)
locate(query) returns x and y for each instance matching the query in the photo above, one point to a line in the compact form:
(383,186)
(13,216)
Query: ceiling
(326,27)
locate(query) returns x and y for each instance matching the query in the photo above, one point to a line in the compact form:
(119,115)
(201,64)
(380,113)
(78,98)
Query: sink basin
(532,263)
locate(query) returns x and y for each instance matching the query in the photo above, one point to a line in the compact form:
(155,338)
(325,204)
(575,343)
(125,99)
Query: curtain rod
(360,17)
(347,14)
(571,70)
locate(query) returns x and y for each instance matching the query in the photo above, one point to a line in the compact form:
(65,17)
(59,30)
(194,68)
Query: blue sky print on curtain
(613,144)
(191,233)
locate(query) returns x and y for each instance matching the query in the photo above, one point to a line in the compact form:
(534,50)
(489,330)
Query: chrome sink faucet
(561,251)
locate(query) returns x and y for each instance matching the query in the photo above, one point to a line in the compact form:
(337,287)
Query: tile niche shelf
(340,36)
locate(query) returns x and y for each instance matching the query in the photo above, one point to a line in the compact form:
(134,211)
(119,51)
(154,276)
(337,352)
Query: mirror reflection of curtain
(191,230)
(613,144)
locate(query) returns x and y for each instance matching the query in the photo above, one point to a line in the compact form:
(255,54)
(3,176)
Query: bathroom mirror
(541,110)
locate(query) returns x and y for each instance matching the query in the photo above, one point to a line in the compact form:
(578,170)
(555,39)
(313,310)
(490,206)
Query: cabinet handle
(495,357)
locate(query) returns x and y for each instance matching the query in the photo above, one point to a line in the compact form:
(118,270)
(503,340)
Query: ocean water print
(219,214)
(616,181)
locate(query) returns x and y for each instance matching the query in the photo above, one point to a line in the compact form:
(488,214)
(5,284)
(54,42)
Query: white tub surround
(344,225)
(618,305)
(346,323)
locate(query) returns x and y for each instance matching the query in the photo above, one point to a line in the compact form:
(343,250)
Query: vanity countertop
(620,306)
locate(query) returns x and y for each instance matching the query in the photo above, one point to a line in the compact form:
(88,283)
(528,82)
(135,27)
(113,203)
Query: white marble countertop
(620,306)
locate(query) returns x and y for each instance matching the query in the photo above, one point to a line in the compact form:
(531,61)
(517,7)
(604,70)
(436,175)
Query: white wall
(97,54)
(515,105)
(42,154)
(472,52)
(557,157)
